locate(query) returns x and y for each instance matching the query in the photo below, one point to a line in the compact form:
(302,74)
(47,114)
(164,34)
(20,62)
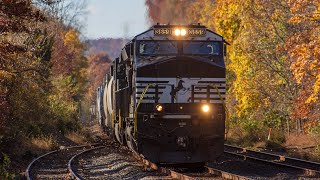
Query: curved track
(66,164)
(159,172)
(54,164)
(110,162)
(307,167)
(71,169)
(186,174)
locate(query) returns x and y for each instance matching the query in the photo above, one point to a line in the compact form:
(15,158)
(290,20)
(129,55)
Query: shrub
(274,119)
(34,130)
(4,166)
(253,132)
(315,130)
(65,126)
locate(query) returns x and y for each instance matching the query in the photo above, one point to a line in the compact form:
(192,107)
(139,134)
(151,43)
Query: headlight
(159,108)
(183,32)
(177,32)
(180,32)
(205,108)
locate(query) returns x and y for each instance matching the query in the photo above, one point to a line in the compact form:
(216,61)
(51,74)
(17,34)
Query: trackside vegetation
(43,78)
(273,63)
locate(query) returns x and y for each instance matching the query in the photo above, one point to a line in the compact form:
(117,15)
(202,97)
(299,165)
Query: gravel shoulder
(114,162)
(256,170)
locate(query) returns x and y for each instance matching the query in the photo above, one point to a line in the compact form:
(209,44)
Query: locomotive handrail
(122,89)
(224,105)
(136,110)
(220,96)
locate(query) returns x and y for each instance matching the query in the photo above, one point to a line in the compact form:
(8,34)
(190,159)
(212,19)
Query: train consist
(164,95)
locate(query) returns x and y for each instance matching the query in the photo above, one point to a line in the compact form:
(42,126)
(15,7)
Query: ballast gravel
(114,163)
(256,170)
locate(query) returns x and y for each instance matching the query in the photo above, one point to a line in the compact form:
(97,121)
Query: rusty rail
(178,175)
(34,161)
(307,167)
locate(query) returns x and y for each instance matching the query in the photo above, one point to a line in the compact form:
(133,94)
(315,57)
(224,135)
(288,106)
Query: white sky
(108,18)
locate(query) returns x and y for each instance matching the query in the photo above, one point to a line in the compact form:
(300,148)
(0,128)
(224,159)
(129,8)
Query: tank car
(164,95)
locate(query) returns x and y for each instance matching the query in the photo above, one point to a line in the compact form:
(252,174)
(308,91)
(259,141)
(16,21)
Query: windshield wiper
(171,42)
(208,39)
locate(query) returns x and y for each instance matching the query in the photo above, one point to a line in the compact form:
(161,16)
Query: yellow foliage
(72,39)
(316,90)
(202,12)
(315,65)
(5,74)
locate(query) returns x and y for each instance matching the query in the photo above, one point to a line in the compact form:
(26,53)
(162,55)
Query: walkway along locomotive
(164,95)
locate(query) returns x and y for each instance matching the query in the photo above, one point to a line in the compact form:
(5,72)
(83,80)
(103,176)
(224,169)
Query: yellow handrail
(136,110)
(225,107)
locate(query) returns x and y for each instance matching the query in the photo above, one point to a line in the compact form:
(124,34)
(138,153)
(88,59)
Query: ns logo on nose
(177,89)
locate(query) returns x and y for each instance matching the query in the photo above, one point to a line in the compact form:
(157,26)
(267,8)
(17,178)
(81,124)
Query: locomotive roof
(150,33)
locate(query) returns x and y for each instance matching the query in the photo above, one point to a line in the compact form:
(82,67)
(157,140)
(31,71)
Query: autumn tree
(43,73)
(201,12)
(168,11)
(303,47)
(99,66)
(24,66)
(273,59)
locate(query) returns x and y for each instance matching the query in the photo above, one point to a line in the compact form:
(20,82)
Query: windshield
(158,47)
(201,48)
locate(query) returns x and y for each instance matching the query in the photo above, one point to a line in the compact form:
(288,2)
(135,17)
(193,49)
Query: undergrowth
(5,163)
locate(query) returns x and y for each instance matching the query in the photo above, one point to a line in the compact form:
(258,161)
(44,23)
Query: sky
(115,18)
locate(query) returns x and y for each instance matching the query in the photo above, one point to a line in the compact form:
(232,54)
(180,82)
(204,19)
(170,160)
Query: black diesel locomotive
(164,95)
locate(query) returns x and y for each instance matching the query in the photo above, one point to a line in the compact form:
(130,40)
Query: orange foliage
(98,67)
(304,51)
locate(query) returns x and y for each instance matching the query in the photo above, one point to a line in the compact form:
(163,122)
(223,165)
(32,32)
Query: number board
(196,32)
(169,31)
(163,31)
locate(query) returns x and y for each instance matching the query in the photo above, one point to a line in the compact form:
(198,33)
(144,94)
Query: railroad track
(176,173)
(307,167)
(67,163)
(54,164)
(86,169)
(109,162)
(71,162)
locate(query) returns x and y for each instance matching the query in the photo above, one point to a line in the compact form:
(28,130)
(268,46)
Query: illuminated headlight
(183,32)
(177,32)
(159,108)
(180,32)
(205,108)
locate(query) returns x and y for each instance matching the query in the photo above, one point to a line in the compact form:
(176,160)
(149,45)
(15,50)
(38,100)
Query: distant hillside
(110,46)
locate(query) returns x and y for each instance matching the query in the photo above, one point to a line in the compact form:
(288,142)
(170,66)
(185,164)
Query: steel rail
(279,160)
(225,175)
(170,172)
(281,157)
(178,175)
(28,170)
(71,161)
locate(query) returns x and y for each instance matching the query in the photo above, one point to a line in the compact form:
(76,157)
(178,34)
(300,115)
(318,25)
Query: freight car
(164,95)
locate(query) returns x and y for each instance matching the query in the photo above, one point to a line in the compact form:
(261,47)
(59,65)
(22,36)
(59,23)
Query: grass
(302,146)
(77,137)
(44,142)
